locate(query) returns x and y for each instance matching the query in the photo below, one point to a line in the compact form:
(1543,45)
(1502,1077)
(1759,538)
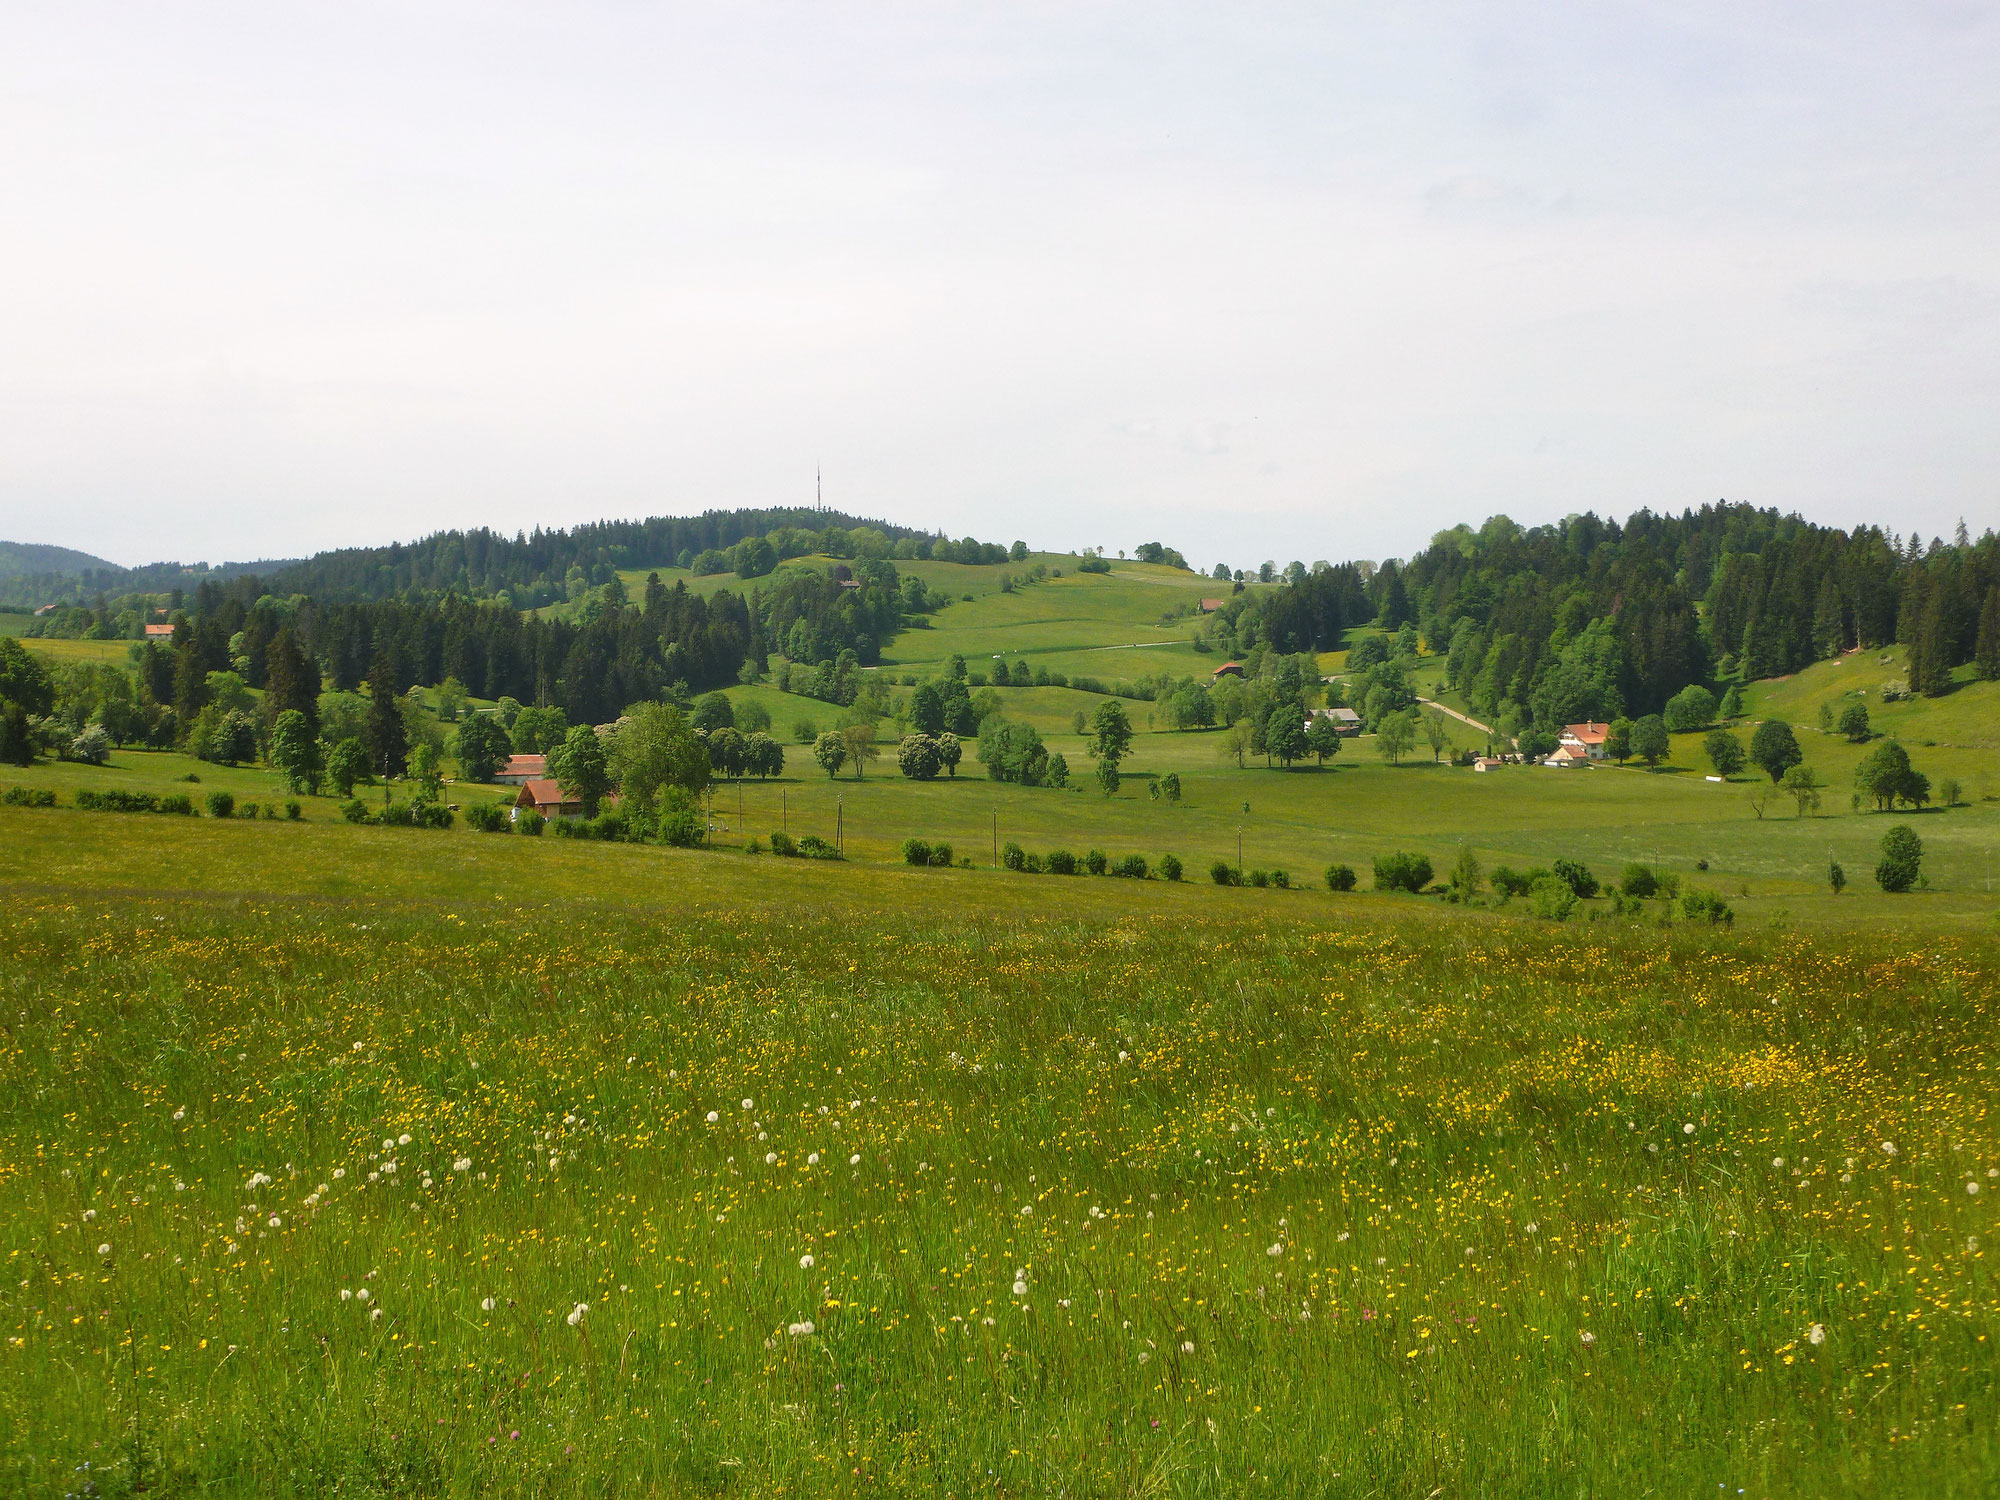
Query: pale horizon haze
(1254,281)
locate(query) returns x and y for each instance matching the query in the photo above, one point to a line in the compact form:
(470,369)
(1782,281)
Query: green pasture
(377,1162)
(1968,715)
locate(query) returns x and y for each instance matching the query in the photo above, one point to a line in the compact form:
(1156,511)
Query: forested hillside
(1591,619)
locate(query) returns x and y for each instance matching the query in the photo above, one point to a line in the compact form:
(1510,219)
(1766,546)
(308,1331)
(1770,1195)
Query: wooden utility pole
(840,826)
(1239,851)
(784,825)
(996,841)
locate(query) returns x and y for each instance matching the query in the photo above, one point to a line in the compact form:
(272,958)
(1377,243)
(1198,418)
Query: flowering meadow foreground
(857,1181)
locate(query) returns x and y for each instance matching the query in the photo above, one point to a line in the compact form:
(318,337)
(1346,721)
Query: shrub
(1170,867)
(92,747)
(812,846)
(1552,897)
(679,823)
(1060,862)
(1096,862)
(1131,867)
(1509,881)
(248,810)
(1222,873)
(783,847)
(398,815)
(32,796)
(221,805)
(1032,865)
(1706,906)
(1902,859)
(356,811)
(610,825)
(1340,877)
(1260,878)
(1638,881)
(1402,872)
(1013,857)
(916,852)
(530,827)
(179,805)
(1282,879)
(940,856)
(1670,886)
(1580,879)
(483,817)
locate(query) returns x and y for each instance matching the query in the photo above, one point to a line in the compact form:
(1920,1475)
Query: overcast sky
(1280,282)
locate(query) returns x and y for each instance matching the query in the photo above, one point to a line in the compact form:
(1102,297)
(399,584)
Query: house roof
(543,792)
(1210,606)
(159,632)
(1343,715)
(1230,666)
(1587,734)
(525,765)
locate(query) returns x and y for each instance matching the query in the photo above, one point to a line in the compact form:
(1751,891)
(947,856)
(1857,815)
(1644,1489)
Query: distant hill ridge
(17,558)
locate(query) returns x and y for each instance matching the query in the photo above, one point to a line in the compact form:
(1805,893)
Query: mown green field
(374,1162)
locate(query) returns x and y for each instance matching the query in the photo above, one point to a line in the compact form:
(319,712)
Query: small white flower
(1124,1056)
(1187,1346)
(987,1321)
(257,1180)
(358,1046)
(1020,1289)
(387,1144)
(800,1330)
(487,1305)
(346,1295)
(1588,1337)
(1687,1130)
(749,1103)
(338,1173)
(1144,1355)
(1777,1161)
(462,1164)
(854,1160)
(812,1158)
(374,1314)
(1027,1210)
(713,1116)
(1816,1335)
(276,1222)
(363,1295)
(1062,1302)
(1275,1251)
(103,1250)
(576,1314)
(403,1139)
(1972,1188)
(805,1262)
(1532,1226)
(89,1214)
(1888,1148)
(770,1158)
(180,1114)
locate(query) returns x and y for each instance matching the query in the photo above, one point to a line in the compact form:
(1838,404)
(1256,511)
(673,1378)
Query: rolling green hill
(18,558)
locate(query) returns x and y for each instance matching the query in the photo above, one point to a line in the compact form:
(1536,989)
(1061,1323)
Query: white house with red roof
(1584,741)
(522,769)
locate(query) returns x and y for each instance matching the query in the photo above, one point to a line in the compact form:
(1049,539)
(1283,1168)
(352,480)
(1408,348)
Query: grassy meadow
(369,1161)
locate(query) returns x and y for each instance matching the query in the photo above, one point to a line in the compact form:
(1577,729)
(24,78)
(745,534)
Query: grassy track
(1165,1190)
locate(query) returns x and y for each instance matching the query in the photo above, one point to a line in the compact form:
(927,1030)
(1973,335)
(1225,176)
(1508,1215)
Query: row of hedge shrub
(921,852)
(1095,862)
(179,804)
(399,814)
(806,846)
(1222,872)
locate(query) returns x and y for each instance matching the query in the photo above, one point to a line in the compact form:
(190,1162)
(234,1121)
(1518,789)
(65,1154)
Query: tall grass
(861,1181)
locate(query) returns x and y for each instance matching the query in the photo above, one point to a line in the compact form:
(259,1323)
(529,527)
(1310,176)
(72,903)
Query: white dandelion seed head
(713,1116)
(487,1304)
(805,1262)
(374,1314)
(749,1103)
(1816,1335)
(854,1160)
(89,1214)
(275,1222)
(1888,1148)
(388,1144)
(180,1114)
(1187,1346)
(1275,1251)
(403,1139)
(1588,1338)
(1777,1161)
(462,1164)
(1687,1129)
(1144,1355)
(770,1158)
(1027,1210)
(346,1295)
(812,1158)
(363,1295)
(104,1249)
(338,1173)
(1020,1289)
(1972,1188)
(359,1045)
